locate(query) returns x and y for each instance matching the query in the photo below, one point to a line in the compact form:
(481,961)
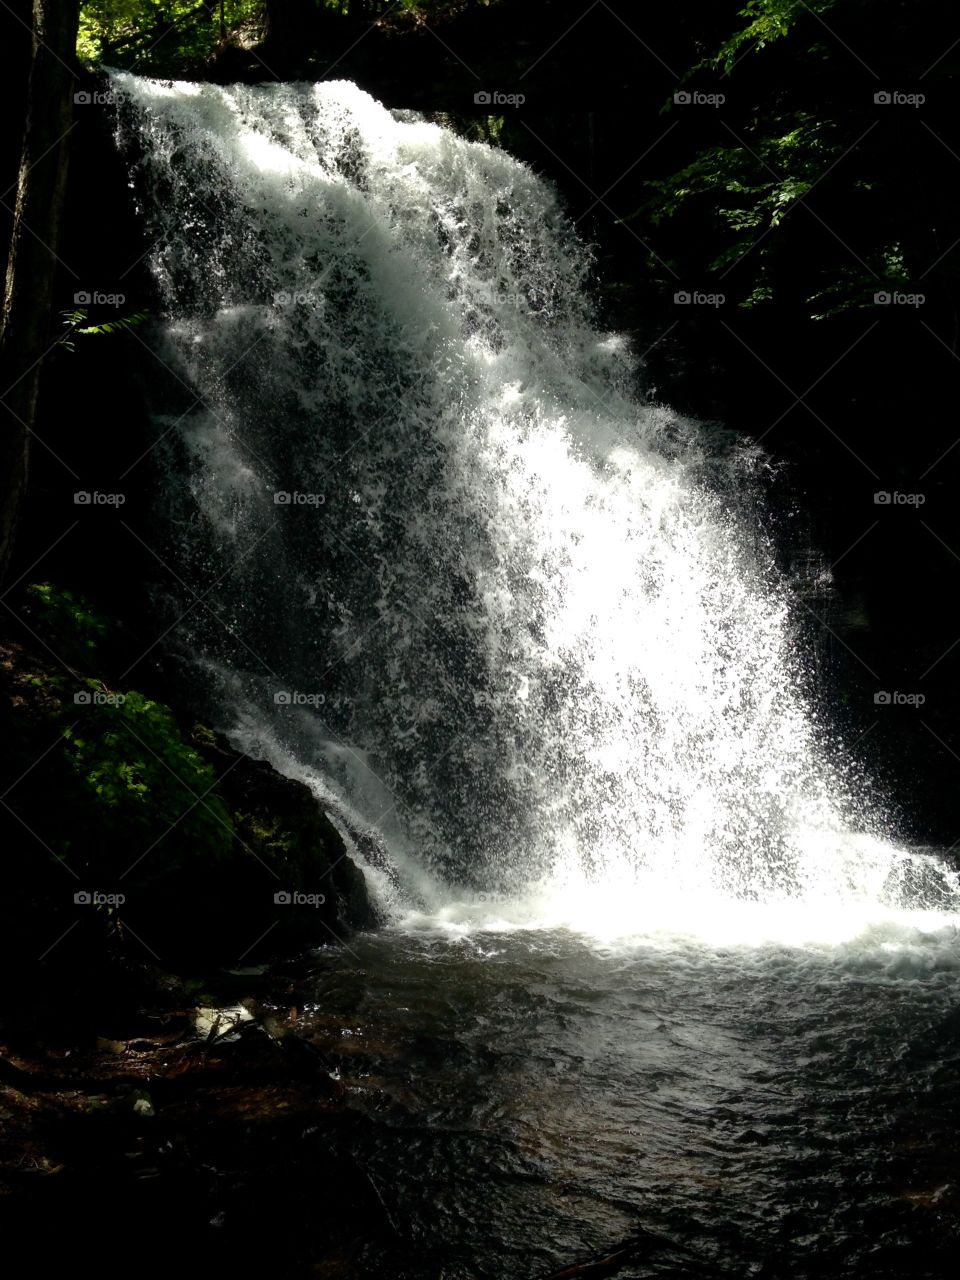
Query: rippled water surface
(763,1111)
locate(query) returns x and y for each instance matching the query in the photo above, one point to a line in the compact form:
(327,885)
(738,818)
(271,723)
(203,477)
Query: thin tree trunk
(25,324)
(289,27)
(16,41)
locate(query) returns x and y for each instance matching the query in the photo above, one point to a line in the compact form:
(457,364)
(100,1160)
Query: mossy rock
(187,842)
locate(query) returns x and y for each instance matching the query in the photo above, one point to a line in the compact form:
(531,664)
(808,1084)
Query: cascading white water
(513,619)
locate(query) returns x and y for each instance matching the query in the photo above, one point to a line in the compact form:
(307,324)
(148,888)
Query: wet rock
(105,1045)
(226,1130)
(217,1024)
(754,1137)
(143,1106)
(270,877)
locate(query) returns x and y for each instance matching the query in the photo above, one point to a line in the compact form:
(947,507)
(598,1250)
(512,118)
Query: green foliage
(192,839)
(146,783)
(74,325)
(767,21)
(747,193)
(131,777)
(67,622)
(179,36)
(813,208)
(474,128)
(131,32)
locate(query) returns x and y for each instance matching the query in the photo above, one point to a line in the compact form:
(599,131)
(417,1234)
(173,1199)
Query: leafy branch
(75,325)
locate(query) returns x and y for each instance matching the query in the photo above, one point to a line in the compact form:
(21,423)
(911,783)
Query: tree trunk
(16,41)
(289,29)
(25,324)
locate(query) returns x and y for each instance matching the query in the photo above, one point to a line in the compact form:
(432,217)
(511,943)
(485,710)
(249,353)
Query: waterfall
(517,627)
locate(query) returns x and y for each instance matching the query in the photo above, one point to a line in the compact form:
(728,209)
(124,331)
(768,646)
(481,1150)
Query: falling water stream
(652,955)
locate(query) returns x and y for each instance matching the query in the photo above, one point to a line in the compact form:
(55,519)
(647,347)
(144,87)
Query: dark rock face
(279,820)
(128,838)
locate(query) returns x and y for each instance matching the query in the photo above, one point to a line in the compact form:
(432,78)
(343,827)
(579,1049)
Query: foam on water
(517,624)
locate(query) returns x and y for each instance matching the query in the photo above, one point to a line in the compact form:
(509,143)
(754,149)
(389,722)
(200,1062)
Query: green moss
(108,785)
(132,763)
(67,622)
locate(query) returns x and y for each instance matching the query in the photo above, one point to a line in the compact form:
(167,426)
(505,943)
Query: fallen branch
(627,1251)
(599,1267)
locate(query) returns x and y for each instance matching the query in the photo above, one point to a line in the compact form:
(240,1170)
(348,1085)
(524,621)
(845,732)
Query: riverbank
(156,1100)
(182,1124)
(144,859)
